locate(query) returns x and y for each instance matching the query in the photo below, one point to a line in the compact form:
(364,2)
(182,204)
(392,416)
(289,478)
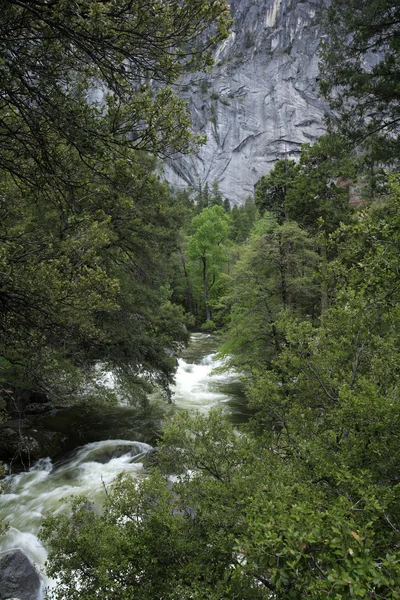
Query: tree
(208,249)
(84,219)
(242,520)
(202,198)
(319,193)
(217,199)
(360,72)
(154,541)
(272,189)
(304,503)
(243,218)
(78,75)
(315,188)
(275,271)
(318,196)
(327,404)
(83,282)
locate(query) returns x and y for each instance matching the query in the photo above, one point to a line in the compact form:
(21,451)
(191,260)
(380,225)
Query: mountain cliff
(259,103)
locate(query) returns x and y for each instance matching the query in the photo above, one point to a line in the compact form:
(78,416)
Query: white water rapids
(47,486)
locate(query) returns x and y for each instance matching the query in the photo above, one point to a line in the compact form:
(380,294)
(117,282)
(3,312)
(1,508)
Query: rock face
(260,102)
(23,439)
(18,577)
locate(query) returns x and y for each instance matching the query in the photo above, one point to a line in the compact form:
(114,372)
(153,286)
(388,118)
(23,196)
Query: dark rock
(18,399)
(150,459)
(8,442)
(8,432)
(39,398)
(18,577)
(21,443)
(38,408)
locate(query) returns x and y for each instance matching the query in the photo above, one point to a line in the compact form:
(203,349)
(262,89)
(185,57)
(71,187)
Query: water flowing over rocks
(19,579)
(260,102)
(92,466)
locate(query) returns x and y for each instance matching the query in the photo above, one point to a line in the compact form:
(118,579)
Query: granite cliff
(259,103)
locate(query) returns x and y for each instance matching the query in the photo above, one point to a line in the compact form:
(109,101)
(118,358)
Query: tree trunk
(188,288)
(324,275)
(205,288)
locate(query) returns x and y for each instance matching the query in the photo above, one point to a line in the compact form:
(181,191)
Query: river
(109,441)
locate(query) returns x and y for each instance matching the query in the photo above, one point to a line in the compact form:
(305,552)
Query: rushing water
(110,441)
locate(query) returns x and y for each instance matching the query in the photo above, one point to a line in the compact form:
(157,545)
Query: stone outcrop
(23,442)
(23,438)
(260,102)
(18,577)
(19,402)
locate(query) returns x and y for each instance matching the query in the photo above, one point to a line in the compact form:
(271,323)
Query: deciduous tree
(207,250)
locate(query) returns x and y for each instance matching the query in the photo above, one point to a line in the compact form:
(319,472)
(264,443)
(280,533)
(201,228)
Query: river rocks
(150,459)
(19,579)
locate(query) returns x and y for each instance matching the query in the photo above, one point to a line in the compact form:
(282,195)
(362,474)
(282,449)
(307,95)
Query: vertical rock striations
(260,102)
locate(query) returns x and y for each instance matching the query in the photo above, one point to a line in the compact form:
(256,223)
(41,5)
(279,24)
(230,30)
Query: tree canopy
(302,503)
(360,72)
(312,192)
(85,97)
(275,271)
(78,74)
(207,250)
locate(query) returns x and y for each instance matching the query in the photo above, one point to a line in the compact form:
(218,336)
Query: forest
(101,262)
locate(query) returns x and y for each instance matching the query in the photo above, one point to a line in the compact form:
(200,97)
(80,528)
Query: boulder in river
(150,459)
(18,577)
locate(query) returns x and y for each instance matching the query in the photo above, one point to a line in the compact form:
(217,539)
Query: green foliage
(243,218)
(202,198)
(272,189)
(161,540)
(318,196)
(241,520)
(327,410)
(217,198)
(78,75)
(126,550)
(207,252)
(275,271)
(86,228)
(360,72)
(205,198)
(312,192)
(303,503)
(82,277)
